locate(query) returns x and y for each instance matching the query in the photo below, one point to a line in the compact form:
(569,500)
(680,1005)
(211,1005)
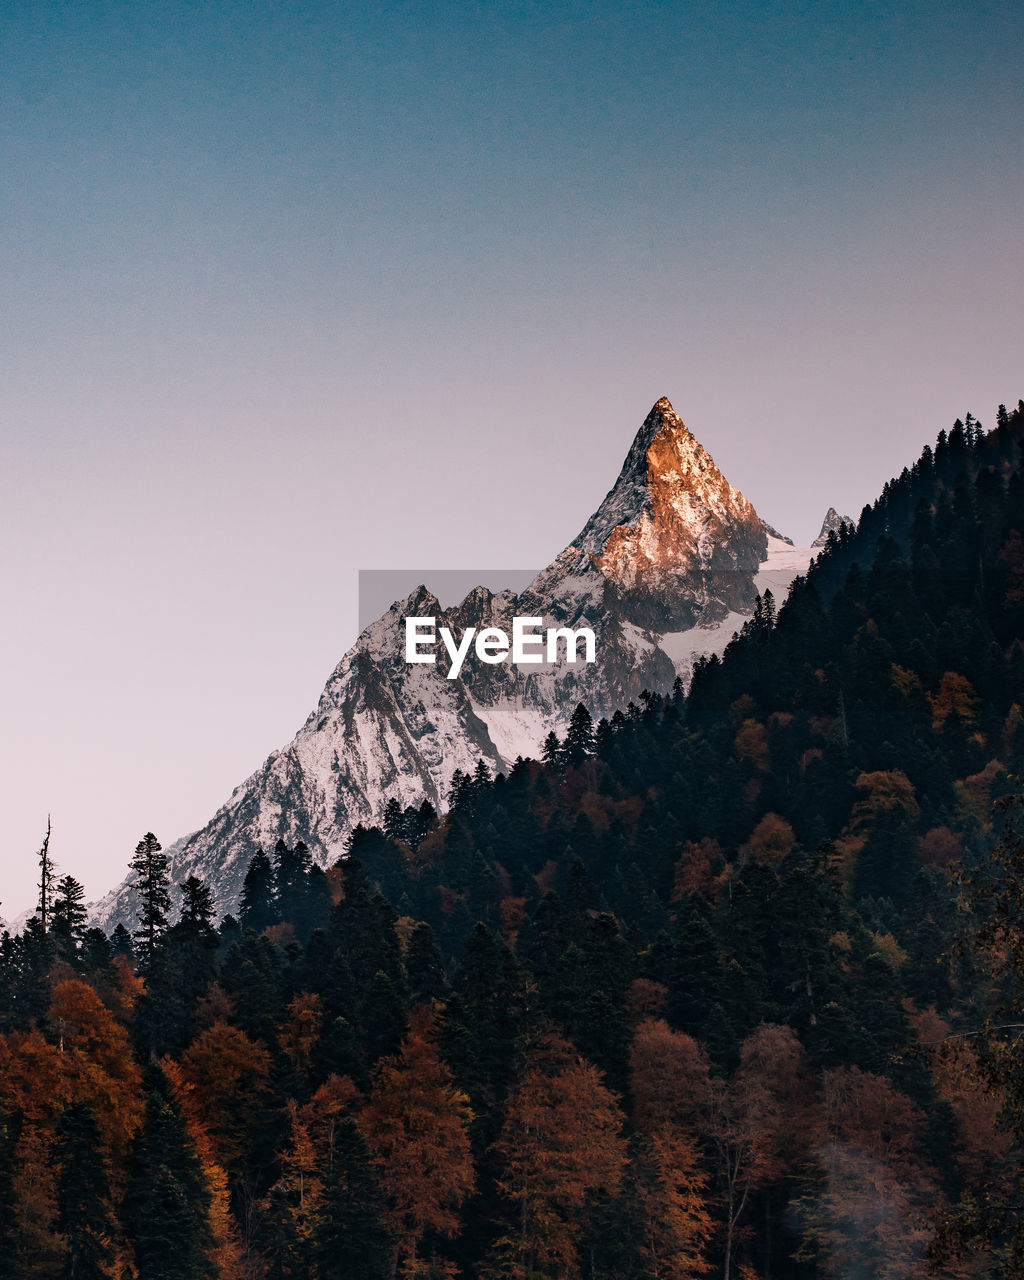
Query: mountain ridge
(665,569)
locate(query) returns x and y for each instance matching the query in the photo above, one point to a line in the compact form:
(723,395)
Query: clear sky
(296,289)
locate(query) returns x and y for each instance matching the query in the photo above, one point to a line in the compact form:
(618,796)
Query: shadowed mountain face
(666,569)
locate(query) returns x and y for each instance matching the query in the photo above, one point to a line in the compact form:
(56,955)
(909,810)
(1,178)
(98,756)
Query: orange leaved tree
(561,1143)
(671,1088)
(416,1125)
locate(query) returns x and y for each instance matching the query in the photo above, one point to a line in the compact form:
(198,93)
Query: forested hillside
(685,998)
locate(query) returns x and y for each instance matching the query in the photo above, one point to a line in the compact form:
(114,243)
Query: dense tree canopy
(682,998)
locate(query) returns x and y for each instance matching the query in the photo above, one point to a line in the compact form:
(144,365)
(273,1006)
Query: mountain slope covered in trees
(682,999)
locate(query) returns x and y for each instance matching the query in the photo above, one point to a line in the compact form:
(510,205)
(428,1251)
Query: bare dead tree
(47,870)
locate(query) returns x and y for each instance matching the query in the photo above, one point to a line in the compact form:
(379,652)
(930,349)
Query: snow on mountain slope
(783,563)
(667,568)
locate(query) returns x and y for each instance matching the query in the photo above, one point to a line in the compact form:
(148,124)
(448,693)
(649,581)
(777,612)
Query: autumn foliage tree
(560,1144)
(869,1211)
(416,1123)
(746,1124)
(671,1088)
(223,1076)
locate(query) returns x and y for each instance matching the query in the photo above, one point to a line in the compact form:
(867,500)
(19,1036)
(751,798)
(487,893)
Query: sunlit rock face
(689,554)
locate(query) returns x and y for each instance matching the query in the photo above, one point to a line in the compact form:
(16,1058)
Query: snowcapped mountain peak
(672,541)
(667,470)
(667,568)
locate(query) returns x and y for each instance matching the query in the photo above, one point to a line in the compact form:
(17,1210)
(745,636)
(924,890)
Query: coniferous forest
(730,985)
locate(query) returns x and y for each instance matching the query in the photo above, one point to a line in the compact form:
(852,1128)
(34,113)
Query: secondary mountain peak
(832,523)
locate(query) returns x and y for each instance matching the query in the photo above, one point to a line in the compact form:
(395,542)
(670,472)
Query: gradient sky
(296,289)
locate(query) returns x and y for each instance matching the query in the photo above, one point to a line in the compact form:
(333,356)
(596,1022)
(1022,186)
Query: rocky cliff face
(667,568)
(688,554)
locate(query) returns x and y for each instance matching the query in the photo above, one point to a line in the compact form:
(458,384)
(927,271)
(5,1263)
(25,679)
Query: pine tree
(197,909)
(291,885)
(424,819)
(424,965)
(459,791)
(96,952)
(257,909)
(153,887)
(384,1016)
(351,1241)
(9,1269)
(68,914)
(187,966)
(167,1201)
(552,753)
(83,1195)
(579,741)
(121,941)
(394,820)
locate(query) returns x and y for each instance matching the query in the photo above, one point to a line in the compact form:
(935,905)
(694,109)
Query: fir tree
(424,819)
(166,1204)
(351,1240)
(552,752)
(257,909)
(291,885)
(394,820)
(579,741)
(121,941)
(197,909)
(97,952)
(69,914)
(152,884)
(83,1195)
(424,965)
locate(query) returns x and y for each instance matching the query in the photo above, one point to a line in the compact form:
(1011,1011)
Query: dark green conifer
(84,1216)
(68,913)
(257,908)
(351,1240)
(153,888)
(394,820)
(121,942)
(9,1268)
(166,1203)
(424,965)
